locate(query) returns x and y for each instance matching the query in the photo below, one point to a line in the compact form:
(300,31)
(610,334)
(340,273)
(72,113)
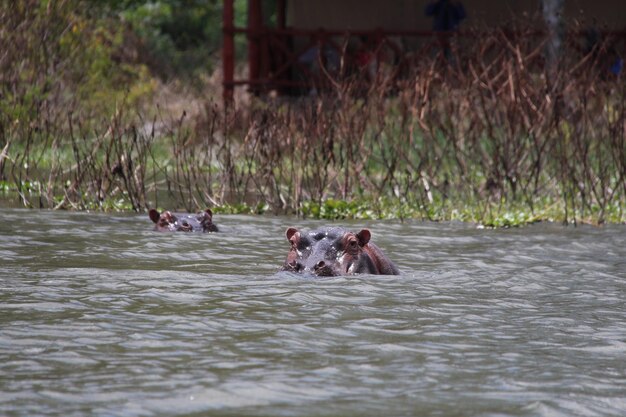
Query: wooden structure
(320,35)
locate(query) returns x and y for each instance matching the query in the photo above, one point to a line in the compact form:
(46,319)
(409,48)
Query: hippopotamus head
(335,251)
(175,222)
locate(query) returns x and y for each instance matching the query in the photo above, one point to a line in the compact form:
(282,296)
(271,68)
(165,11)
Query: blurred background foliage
(182,37)
(92,55)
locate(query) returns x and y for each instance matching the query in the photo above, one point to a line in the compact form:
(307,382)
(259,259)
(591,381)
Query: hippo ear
(154,215)
(364,237)
(209,212)
(290,233)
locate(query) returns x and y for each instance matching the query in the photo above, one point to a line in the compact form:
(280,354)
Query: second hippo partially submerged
(176,222)
(335,251)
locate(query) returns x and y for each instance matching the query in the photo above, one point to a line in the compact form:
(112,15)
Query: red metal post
(255,24)
(281,20)
(228,51)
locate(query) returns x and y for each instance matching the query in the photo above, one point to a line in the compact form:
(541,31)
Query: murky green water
(99,315)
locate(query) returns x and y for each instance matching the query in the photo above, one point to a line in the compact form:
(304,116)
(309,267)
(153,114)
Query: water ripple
(101,316)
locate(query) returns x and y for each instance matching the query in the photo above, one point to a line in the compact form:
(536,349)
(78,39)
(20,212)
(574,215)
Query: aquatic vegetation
(495,139)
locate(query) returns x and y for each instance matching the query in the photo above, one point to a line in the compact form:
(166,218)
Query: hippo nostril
(185,226)
(295,266)
(320,265)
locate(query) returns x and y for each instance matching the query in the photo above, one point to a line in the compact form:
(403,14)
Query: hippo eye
(353,244)
(302,244)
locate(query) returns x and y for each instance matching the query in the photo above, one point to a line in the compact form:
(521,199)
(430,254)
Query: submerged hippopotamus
(332,251)
(176,222)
